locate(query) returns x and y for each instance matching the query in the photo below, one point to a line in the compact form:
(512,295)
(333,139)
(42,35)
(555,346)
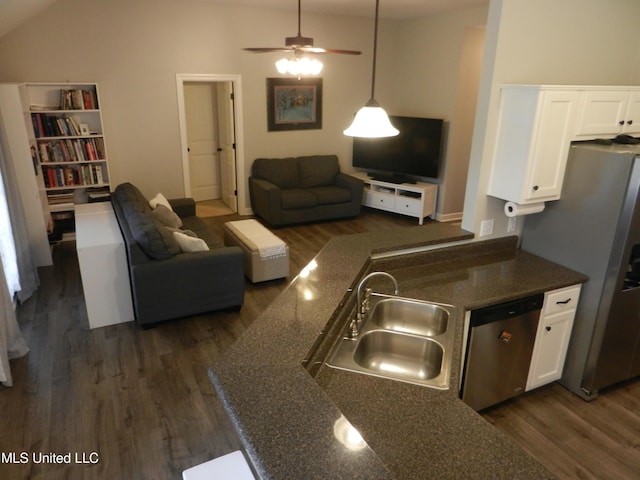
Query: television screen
(415,152)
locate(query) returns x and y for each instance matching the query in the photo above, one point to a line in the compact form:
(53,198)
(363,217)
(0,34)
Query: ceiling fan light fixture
(299,65)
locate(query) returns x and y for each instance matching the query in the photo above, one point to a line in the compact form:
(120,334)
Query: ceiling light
(371,120)
(299,65)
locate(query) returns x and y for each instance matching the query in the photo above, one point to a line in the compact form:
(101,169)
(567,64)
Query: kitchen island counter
(292,422)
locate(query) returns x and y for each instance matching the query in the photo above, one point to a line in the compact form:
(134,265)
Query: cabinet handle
(629,122)
(535,188)
(563,302)
(621,122)
(548,329)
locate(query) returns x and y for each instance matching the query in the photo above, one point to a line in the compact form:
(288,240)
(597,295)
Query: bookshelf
(68,145)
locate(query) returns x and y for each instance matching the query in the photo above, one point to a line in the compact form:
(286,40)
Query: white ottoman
(266,256)
(232,466)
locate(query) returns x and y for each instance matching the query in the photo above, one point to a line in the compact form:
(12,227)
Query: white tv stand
(415,200)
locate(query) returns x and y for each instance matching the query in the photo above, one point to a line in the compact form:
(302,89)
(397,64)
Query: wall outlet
(486,228)
(511,226)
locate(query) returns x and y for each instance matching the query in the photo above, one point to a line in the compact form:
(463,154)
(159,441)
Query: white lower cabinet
(552,338)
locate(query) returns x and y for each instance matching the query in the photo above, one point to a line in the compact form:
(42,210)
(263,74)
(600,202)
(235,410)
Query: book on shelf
(78,99)
(71,150)
(59,197)
(51,125)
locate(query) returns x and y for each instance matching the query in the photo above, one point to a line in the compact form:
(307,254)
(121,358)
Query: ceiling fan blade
(328,50)
(267,49)
(301,44)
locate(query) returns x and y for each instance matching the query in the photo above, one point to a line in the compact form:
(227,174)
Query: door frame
(236,80)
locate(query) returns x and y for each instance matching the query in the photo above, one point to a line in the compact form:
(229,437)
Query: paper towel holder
(513,209)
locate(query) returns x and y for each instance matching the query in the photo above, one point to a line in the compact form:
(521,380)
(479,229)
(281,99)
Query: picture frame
(294,104)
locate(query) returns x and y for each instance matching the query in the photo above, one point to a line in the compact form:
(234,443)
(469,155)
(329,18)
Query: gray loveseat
(167,283)
(292,190)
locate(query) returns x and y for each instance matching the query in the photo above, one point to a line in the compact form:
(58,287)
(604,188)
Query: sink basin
(410,317)
(406,356)
(401,339)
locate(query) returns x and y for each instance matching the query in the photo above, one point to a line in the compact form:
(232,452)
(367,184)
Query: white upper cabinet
(609,112)
(535,129)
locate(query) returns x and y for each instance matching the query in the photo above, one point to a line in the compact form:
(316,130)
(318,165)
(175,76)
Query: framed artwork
(294,104)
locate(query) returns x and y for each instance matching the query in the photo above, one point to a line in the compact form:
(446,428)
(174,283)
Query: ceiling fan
(300,45)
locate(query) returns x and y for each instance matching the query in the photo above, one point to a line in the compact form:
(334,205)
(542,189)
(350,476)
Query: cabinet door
(552,137)
(550,349)
(601,113)
(632,116)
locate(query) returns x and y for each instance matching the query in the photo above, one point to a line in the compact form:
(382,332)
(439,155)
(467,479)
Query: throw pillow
(166,216)
(160,199)
(190,244)
(180,230)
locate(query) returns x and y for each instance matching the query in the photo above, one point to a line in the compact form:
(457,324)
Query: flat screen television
(415,152)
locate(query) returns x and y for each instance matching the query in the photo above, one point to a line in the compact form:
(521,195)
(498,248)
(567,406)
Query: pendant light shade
(372,121)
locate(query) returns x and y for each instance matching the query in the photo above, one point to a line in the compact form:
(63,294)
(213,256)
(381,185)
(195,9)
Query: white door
(200,101)
(226,145)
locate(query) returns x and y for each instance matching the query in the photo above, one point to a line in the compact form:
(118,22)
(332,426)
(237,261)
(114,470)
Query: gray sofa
(167,283)
(293,190)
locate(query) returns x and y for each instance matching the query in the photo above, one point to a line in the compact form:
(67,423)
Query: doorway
(211,134)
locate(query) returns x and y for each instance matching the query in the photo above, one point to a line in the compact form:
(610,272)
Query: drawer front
(408,205)
(380,200)
(561,300)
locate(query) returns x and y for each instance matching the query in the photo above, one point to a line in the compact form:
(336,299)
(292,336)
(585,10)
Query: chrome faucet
(362,306)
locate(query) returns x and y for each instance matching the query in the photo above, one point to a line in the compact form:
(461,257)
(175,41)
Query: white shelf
(414,200)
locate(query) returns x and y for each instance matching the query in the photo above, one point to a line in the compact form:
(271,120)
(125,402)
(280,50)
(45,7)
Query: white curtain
(7,244)
(12,345)
(18,276)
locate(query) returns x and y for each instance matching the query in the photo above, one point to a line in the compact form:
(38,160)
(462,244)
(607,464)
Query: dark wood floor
(140,400)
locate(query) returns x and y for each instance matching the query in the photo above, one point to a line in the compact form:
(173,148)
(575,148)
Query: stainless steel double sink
(401,339)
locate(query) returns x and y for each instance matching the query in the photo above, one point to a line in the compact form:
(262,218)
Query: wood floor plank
(142,399)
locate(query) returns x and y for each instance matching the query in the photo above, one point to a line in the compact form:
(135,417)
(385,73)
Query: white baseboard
(448,217)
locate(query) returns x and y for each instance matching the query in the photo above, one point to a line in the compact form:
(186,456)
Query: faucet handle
(353,330)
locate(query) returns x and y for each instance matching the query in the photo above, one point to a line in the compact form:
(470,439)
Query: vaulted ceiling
(15,12)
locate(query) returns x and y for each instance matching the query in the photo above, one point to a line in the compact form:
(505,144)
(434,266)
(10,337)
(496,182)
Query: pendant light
(372,121)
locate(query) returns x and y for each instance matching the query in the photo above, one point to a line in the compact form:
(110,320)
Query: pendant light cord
(375,51)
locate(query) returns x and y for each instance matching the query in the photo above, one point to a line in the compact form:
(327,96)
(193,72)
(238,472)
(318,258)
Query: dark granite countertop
(289,421)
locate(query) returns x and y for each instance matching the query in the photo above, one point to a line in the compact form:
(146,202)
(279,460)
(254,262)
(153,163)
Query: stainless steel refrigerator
(594,228)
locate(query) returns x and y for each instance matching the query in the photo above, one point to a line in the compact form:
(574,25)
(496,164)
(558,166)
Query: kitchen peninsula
(290,410)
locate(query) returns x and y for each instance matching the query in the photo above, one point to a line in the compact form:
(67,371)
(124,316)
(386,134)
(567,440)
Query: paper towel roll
(512,209)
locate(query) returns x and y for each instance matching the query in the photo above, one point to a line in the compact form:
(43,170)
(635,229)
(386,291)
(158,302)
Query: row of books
(70,177)
(67,150)
(78,99)
(49,125)
(60,198)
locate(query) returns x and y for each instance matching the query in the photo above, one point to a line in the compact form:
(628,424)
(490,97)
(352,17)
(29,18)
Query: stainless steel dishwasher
(499,348)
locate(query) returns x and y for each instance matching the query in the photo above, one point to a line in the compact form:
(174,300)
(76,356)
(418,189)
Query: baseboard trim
(448,217)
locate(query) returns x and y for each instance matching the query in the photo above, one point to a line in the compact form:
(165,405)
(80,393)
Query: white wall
(586,42)
(134,49)
(432,52)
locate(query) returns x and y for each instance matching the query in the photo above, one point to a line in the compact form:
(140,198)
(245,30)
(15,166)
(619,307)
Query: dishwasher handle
(506,310)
